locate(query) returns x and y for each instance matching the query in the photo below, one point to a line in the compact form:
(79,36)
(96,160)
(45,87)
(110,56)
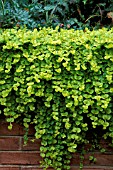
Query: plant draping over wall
(60,81)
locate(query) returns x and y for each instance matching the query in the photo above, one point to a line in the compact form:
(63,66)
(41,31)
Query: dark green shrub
(75,14)
(62,82)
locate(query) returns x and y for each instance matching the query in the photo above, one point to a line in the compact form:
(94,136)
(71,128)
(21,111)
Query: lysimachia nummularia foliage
(62,82)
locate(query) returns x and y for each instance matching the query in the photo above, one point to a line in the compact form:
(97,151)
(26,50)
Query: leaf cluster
(76,14)
(60,81)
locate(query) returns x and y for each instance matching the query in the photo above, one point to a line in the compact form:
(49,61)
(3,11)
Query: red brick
(15,156)
(16,130)
(75,168)
(25,168)
(9,143)
(103,144)
(72,168)
(9,168)
(34,168)
(97,168)
(31,146)
(19,158)
(75,159)
(103,159)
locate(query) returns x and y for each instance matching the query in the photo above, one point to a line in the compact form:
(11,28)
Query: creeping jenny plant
(60,81)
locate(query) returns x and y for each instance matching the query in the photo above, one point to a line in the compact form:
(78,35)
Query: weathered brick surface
(73,168)
(93,168)
(34,168)
(14,155)
(9,168)
(16,130)
(101,159)
(20,158)
(31,145)
(9,143)
(2,168)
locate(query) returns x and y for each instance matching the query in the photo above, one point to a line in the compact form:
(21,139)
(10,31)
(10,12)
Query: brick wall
(15,156)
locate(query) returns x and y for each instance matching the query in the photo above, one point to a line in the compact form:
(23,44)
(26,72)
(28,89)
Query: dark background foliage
(76,14)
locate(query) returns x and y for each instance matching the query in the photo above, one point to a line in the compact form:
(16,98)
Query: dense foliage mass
(68,14)
(60,81)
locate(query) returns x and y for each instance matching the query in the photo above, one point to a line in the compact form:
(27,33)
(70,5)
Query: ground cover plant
(61,81)
(75,14)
